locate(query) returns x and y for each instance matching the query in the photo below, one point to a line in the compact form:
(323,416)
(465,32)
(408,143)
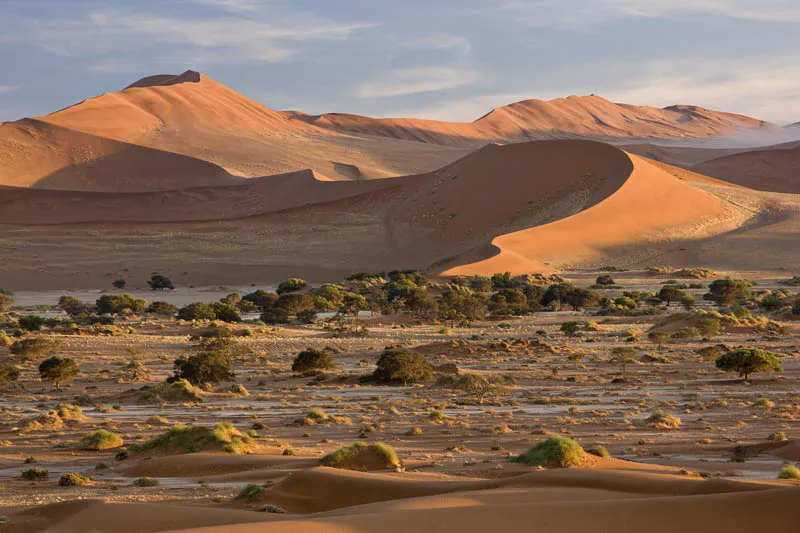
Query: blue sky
(444,59)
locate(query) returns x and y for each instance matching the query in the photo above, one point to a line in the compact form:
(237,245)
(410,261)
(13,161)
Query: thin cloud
(404,82)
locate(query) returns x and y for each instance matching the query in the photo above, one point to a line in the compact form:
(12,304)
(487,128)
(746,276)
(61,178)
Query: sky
(438,59)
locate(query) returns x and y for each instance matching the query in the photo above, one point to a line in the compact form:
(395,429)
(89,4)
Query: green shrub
(746,361)
(35,474)
(270,508)
(74,479)
(599,451)
(316,414)
(100,440)
(403,366)
(663,420)
(35,347)
(182,438)
(312,361)
(145,482)
(789,472)
(251,492)
(58,370)
(554,451)
(360,456)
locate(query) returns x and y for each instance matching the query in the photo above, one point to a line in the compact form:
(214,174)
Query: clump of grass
(763,403)
(789,472)
(778,436)
(251,492)
(157,420)
(74,479)
(599,451)
(316,414)
(415,431)
(145,482)
(663,420)
(270,508)
(174,391)
(35,474)
(183,438)
(68,411)
(554,451)
(100,440)
(360,456)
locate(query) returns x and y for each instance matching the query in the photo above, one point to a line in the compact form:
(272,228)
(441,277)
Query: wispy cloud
(403,82)
(578,14)
(457,44)
(7,89)
(270,37)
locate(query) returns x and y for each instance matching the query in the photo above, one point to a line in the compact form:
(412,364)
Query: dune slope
(773,170)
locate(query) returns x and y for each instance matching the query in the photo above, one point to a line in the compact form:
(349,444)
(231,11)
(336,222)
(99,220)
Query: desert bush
(312,361)
(747,361)
(163,309)
(145,482)
(554,451)
(360,456)
(212,366)
(115,304)
(58,370)
(251,492)
(100,440)
(402,366)
(30,322)
(157,282)
(271,508)
(6,301)
(35,474)
(624,356)
(789,472)
(599,451)
(9,374)
(778,436)
(197,311)
(291,285)
(191,438)
(35,347)
(663,420)
(570,328)
(316,414)
(728,291)
(604,279)
(74,479)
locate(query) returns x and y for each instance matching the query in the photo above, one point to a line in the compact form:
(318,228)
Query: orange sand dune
(193,115)
(587,116)
(651,206)
(774,170)
(38,154)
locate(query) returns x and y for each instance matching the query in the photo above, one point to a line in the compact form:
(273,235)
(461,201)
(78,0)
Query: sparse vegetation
(360,456)
(182,438)
(554,451)
(747,361)
(100,440)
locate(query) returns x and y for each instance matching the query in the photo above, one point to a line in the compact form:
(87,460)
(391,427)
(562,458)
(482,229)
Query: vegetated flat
(717,469)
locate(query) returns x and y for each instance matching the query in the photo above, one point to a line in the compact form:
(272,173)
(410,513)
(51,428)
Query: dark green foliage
(58,370)
(31,322)
(261,299)
(746,361)
(291,285)
(9,374)
(164,309)
(157,282)
(225,312)
(212,366)
(728,291)
(554,451)
(73,479)
(403,366)
(119,283)
(604,279)
(197,311)
(74,307)
(114,304)
(35,474)
(312,361)
(670,293)
(35,346)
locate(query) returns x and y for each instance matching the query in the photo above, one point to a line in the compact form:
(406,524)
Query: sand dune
(586,116)
(650,206)
(774,170)
(567,500)
(524,207)
(34,153)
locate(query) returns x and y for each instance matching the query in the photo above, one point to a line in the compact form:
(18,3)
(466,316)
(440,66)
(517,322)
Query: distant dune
(774,170)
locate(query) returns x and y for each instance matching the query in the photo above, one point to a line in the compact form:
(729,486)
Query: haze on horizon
(461,59)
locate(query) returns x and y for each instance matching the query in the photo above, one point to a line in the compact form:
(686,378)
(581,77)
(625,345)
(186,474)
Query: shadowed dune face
(37,154)
(523,208)
(762,170)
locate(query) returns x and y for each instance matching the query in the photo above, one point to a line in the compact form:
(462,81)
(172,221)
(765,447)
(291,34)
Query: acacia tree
(623,356)
(727,291)
(746,361)
(58,370)
(157,282)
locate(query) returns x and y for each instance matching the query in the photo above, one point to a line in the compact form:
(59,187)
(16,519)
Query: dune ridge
(773,170)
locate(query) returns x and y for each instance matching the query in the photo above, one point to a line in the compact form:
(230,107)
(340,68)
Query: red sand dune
(774,170)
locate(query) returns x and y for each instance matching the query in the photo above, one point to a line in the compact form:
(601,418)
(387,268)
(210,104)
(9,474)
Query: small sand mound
(180,391)
(360,456)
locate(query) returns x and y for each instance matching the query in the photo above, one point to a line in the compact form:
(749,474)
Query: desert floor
(454,447)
